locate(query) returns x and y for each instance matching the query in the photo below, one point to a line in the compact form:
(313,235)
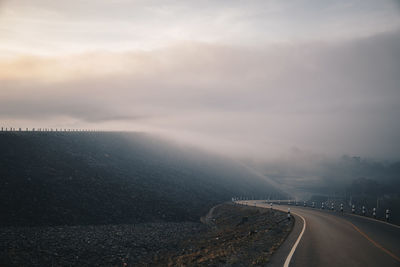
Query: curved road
(334,239)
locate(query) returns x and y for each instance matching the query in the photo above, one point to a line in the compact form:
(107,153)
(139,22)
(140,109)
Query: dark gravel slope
(57,178)
(235,236)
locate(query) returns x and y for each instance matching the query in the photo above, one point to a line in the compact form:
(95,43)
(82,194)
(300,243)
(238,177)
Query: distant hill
(74,178)
(304,174)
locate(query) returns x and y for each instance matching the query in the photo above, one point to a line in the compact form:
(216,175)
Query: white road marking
(289,257)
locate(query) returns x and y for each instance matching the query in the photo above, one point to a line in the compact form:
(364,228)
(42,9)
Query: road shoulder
(279,257)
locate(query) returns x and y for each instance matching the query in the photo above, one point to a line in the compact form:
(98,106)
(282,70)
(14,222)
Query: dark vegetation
(316,174)
(55,178)
(360,181)
(373,194)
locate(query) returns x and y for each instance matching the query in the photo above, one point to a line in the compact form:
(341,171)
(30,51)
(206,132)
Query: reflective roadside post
(353,209)
(363,210)
(305,204)
(374,212)
(341,208)
(322,205)
(387,215)
(332,206)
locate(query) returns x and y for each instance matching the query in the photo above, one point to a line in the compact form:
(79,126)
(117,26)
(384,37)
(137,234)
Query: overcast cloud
(250,79)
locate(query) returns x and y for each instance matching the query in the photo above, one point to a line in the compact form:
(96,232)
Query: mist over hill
(62,178)
(303,174)
(306,174)
(347,179)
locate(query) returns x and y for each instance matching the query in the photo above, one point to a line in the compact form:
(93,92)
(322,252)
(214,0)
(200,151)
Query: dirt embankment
(237,236)
(230,235)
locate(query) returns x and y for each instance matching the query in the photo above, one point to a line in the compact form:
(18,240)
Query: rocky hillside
(238,236)
(76,178)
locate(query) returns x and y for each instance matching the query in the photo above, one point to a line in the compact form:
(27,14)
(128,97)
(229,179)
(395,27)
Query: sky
(246,78)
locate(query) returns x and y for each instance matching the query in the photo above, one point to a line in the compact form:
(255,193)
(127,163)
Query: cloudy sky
(252,78)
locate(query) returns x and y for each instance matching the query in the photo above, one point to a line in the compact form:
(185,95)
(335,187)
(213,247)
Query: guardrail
(19,129)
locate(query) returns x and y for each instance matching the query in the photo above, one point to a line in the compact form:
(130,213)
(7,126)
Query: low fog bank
(350,180)
(304,174)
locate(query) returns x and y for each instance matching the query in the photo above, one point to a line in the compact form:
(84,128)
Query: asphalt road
(334,239)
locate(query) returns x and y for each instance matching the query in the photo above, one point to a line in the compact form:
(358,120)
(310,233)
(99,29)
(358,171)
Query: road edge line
(375,243)
(289,257)
(291,253)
